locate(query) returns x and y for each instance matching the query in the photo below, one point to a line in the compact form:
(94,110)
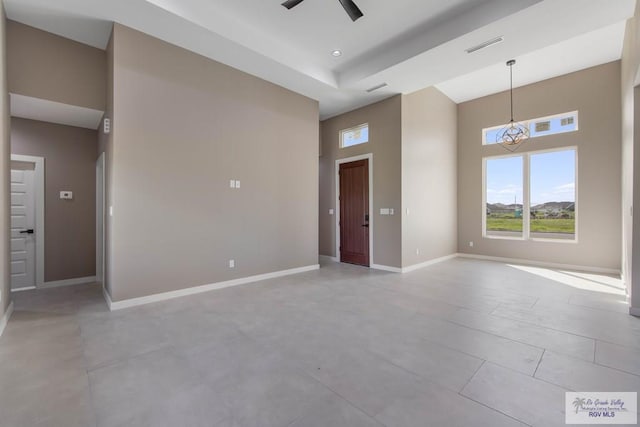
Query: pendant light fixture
(512,136)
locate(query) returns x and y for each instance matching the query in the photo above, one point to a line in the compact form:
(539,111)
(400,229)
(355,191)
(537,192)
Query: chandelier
(514,133)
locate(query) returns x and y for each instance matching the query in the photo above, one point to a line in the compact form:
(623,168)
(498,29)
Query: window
(531,195)
(560,123)
(354,136)
(504,196)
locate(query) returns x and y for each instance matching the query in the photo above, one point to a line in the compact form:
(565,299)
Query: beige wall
(47,66)
(183,127)
(429,176)
(384,120)
(69,154)
(5,278)
(595,94)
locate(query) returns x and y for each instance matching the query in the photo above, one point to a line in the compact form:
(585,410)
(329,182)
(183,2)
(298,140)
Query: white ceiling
(408,44)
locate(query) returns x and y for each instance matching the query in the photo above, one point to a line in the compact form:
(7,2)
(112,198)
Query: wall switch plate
(232,183)
(392,212)
(232,263)
(237,184)
(330,211)
(110,210)
(417,251)
(407,211)
(66,195)
(471,244)
(384,211)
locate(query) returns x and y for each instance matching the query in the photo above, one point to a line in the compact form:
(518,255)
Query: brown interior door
(354,212)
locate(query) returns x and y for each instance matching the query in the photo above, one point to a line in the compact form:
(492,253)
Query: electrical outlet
(471,244)
(232,263)
(330,211)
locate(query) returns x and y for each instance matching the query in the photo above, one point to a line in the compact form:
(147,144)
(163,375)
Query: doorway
(27,222)
(354,221)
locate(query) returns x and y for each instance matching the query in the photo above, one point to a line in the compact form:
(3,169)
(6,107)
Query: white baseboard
(5,318)
(634,311)
(386,268)
(69,282)
(542,264)
(28,288)
(107,298)
(328,258)
(427,263)
(119,305)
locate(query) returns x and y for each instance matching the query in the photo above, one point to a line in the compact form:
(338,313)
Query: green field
(498,222)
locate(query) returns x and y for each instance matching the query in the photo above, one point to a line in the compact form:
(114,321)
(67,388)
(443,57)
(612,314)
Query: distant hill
(548,206)
(496,207)
(552,206)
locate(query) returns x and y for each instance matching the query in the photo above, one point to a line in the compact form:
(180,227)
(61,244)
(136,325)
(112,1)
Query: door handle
(29,231)
(365,225)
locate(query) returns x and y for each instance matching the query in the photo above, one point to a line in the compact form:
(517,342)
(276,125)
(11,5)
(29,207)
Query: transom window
(531,195)
(354,136)
(543,126)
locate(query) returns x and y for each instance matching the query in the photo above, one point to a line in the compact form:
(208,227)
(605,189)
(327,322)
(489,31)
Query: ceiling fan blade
(352,10)
(291,3)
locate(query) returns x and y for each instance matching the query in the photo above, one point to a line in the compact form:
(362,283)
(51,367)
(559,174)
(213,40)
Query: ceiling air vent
(380,86)
(485,44)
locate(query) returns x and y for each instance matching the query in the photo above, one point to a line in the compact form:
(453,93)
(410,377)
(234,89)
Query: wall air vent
(380,86)
(485,44)
(543,126)
(566,121)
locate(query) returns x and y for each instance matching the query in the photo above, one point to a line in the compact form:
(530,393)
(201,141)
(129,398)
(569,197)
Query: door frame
(100,220)
(39,184)
(369,157)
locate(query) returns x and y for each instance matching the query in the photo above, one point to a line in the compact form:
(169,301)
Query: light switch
(66,195)
(384,211)
(391,212)
(232,183)
(237,184)
(330,211)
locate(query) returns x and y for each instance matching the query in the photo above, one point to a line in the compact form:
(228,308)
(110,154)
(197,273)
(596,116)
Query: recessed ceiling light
(336,53)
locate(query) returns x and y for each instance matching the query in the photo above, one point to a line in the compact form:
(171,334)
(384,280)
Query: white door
(23,241)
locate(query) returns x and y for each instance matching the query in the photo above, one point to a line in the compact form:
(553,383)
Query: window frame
(526,196)
(352,129)
(530,122)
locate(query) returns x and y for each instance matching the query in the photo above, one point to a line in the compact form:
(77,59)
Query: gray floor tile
(437,407)
(578,375)
(618,357)
(520,396)
(550,339)
(343,345)
(503,351)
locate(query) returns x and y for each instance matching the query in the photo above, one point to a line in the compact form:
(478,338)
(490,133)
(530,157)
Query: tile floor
(460,343)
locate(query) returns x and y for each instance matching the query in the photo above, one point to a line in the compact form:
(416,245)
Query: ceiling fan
(349,6)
